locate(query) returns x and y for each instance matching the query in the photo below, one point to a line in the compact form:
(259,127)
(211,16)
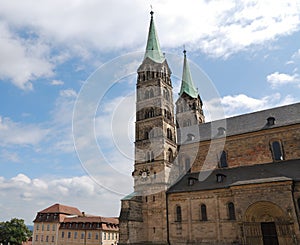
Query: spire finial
(151,12)
(184,51)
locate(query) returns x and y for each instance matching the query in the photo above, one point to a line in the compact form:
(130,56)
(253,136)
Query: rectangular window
(53,227)
(104,235)
(69,234)
(37,227)
(52,238)
(36,238)
(48,227)
(75,235)
(62,234)
(82,235)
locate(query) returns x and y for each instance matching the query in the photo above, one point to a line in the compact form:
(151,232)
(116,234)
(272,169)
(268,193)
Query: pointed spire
(153,49)
(187,84)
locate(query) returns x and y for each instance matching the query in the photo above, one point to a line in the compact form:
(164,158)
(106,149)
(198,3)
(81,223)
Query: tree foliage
(14,232)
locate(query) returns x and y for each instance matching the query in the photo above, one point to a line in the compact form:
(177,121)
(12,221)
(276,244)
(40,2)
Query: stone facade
(238,179)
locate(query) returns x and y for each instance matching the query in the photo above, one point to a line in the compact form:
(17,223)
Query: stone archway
(265,223)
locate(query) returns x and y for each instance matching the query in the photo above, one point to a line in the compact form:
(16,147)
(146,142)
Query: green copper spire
(187,85)
(153,49)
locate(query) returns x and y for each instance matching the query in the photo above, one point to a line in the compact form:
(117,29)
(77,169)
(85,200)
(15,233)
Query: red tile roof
(61,209)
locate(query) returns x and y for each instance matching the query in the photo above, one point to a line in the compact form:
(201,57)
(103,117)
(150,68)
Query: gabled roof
(244,175)
(61,209)
(187,84)
(153,48)
(251,122)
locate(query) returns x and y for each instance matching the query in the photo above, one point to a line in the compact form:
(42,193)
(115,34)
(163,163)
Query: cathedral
(232,181)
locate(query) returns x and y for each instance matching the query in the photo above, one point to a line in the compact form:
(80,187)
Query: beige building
(233,181)
(61,225)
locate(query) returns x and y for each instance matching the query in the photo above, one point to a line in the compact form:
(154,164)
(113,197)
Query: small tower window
(223,160)
(169,134)
(277,151)
(231,211)
(203,212)
(178,214)
(170,155)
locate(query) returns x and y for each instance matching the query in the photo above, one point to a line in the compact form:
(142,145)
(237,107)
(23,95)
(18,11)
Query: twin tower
(143,218)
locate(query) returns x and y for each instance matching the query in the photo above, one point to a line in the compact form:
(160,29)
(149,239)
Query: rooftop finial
(184,51)
(151,12)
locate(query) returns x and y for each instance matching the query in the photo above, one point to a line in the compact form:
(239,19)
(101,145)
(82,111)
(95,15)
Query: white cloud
(57,82)
(218,28)
(240,104)
(14,133)
(277,79)
(34,195)
(21,60)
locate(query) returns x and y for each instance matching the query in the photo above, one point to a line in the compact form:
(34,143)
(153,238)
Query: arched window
(148,157)
(169,134)
(152,156)
(188,122)
(223,160)
(231,211)
(147,94)
(170,155)
(178,214)
(151,93)
(203,212)
(277,151)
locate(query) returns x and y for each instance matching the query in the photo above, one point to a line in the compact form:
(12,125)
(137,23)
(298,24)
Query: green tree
(14,232)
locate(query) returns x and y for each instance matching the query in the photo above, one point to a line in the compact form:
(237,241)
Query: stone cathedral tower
(143,217)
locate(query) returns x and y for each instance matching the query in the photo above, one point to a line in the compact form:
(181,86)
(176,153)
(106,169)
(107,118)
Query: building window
(89,235)
(42,238)
(62,234)
(170,155)
(104,236)
(42,227)
(37,227)
(178,214)
(108,236)
(47,238)
(231,211)
(277,151)
(97,236)
(153,229)
(203,212)
(69,234)
(52,238)
(48,227)
(75,235)
(82,235)
(36,238)
(53,227)
(169,134)
(223,160)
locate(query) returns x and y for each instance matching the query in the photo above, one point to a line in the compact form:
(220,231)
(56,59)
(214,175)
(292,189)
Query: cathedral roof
(251,122)
(153,48)
(187,84)
(245,175)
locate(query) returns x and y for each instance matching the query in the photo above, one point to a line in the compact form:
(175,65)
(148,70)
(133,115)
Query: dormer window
(270,121)
(220,177)
(221,131)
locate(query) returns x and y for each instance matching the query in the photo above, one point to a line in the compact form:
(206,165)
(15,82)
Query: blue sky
(50,51)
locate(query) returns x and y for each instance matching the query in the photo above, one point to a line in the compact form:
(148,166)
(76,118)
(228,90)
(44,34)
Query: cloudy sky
(52,97)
